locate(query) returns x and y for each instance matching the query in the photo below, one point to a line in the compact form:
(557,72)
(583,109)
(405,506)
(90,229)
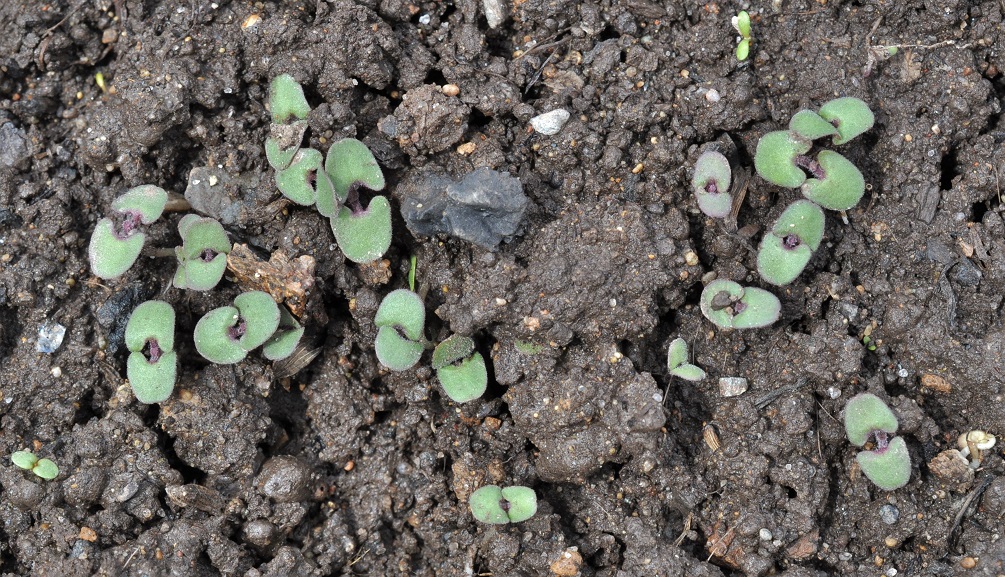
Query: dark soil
(346,469)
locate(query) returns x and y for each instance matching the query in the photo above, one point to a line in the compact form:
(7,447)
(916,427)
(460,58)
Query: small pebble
(968,562)
(50,336)
(712,95)
(732,386)
(550,123)
(451,90)
(889,514)
(764,534)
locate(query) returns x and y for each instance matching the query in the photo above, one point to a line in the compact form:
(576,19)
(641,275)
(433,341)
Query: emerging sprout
(286,338)
(202,257)
(289,114)
(500,505)
(43,468)
(152,364)
(286,100)
(731,306)
(790,243)
(838,184)
(117,241)
(225,335)
(299,181)
(364,235)
(742,24)
(888,463)
(811,125)
(777,158)
(678,365)
(349,163)
(401,318)
(710,184)
(461,370)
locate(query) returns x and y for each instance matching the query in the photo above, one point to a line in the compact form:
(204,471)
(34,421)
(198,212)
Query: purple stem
(812,166)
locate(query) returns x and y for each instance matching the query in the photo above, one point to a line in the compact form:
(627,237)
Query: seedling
(364,235)
(202,257)
(152,364)
(43,468)
(790,243)
(741,22)
(500,505)
(401,318)
(349,164)
(710,184)
(297,181)
(836,183)
(225,335)
(289,121)
(678,365)
(117,241)
(731,306)
(888,463)
(461,370)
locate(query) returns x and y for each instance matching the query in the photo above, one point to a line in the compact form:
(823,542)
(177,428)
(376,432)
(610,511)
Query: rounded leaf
(743,49)
(286,99)
(790,244)
(151,320)
(760,309)
(455,348)
(260,313)
(366,236)
(327,203)
(147,200)
(522,503)
(864,414)
(811,125)
(688,372)
(110,256)
(850,115)
(889,469)
(842,186)
(282,344)
(46,469)
(279,158)
(405,310)
(297,181)
(395,351)
(350,161)
(486,505)
(199,275)
(717,300)
(466,381)
(201,234)
(152,382)
(212,336)
(24,459)
(677,354)
(742,23)
(710,184)
(775,158)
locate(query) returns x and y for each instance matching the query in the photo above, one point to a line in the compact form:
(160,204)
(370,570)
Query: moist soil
(332,465)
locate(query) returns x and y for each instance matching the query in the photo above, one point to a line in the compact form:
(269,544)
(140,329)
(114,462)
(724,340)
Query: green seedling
(500,505)
(202,257)
(43,468)
(790,243)
(349,164)
(286,338)
(461,370)
(887,463)
(710,183)
(835,183)
(152,365)
(364,235)
(741,22)
(731,306)
(299,181)
(117,241)
(227,334)
(678,365)
(401,318)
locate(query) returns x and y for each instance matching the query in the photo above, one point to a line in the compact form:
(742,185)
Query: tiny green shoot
(678,365)
(710,184)
(887,464)
(401,319)
(117,240)
(731,306)
(741,22)
(42,468)
(225,335)
(152,365)
(500,505)
(460,368)
(202,257)
(787,247)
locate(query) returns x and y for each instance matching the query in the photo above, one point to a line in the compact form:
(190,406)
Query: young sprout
(299,181)
(364,235)
(888,463)
(349,164)
(43,468)
(225,335)
(202,257)
(731,306)
(678,365)
(401,318)
(790,243)
(289,114)
(152,364)
(117,241)
(500,505)
(810,125)
(461,370)
(710,183)
(286,338)
(741,22)
(851,116)
(779,155)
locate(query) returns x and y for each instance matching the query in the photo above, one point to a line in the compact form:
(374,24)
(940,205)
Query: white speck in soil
(764,534)
(889,514)
(50,336)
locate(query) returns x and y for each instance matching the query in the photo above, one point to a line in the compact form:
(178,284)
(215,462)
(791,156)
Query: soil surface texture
(331,464)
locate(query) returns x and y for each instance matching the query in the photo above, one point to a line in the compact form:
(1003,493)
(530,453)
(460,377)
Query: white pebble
(732,386)
(550,123)
(712,95)
(56,372)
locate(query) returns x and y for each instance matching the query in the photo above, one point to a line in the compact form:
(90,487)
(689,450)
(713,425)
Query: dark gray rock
(485,207)
(14,148)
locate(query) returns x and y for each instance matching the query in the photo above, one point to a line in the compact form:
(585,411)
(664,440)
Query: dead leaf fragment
(286,280)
